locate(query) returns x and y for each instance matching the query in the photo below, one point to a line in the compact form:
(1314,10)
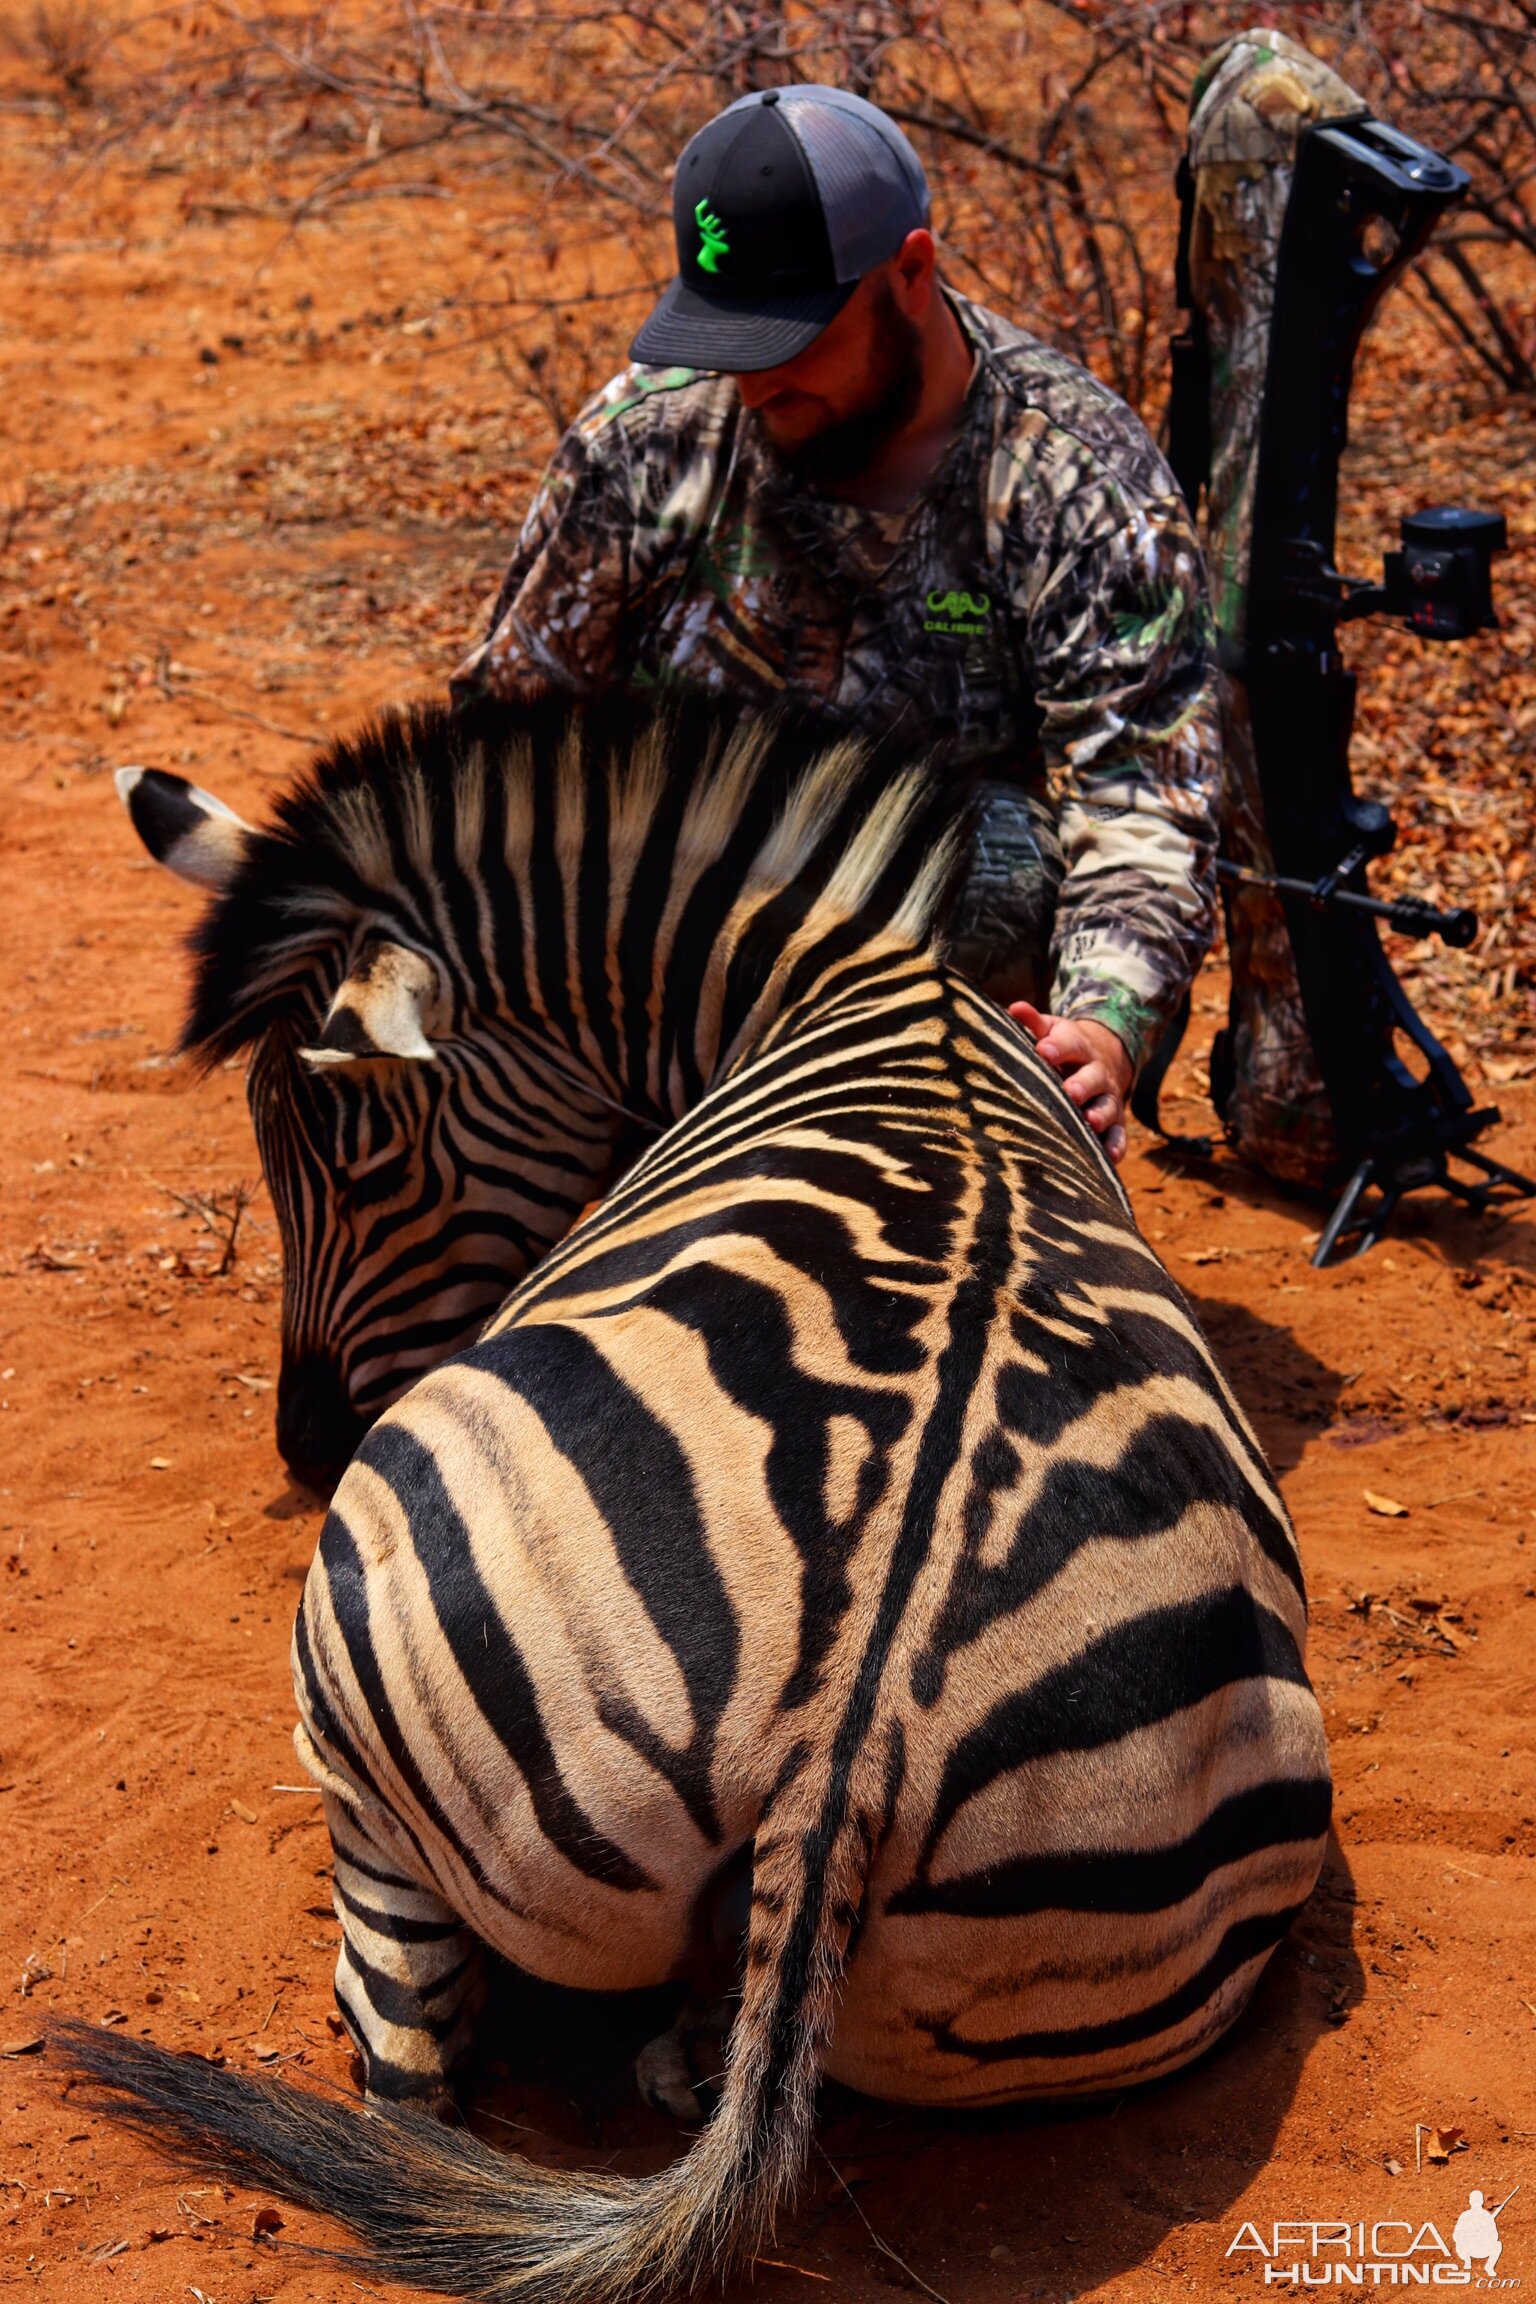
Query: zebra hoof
(681,2073)
(661,2072)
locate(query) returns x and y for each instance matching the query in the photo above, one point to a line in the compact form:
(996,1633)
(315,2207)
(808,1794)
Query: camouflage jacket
(1037,615)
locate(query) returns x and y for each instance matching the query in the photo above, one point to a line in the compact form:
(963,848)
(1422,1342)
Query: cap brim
(694,331)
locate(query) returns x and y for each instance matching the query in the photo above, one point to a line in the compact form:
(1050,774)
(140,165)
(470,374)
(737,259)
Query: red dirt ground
(206,557)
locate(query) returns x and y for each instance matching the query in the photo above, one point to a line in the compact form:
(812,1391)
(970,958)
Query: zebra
(841,1547)
(414,1185)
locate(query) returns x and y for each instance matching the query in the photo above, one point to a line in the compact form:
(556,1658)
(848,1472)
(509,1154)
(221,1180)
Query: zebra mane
(507,838)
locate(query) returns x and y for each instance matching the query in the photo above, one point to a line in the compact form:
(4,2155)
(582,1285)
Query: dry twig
(1049,131)
(220,1213)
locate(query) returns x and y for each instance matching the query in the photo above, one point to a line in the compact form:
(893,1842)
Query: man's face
(828,410)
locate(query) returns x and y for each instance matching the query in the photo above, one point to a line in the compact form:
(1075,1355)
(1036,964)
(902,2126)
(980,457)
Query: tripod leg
(1339,1221)
(1522,1186)
(1475,1196)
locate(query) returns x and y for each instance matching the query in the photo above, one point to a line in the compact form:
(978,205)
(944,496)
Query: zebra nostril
(317,1426)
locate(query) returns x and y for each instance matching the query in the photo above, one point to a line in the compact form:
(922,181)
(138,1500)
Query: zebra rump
(850,1497)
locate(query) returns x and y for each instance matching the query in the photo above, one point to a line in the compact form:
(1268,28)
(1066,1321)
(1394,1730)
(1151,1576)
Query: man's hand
(1094,1066)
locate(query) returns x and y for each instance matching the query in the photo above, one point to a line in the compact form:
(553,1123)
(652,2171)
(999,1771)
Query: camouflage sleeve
(1122,639)
(561,614)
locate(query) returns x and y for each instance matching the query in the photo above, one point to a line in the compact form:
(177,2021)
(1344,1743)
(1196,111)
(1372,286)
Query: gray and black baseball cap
(781,205)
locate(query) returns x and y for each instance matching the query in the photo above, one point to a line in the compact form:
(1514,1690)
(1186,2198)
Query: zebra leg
(682,2072)
(408,1979)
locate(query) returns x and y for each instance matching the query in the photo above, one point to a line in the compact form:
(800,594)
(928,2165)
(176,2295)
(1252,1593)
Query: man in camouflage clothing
(858,491)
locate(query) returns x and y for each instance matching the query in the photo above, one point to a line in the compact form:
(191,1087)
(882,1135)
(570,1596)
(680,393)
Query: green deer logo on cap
(713,243)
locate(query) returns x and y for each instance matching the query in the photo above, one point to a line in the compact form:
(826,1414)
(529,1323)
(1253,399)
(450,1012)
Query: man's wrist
(1110,1050)
(1118,1011)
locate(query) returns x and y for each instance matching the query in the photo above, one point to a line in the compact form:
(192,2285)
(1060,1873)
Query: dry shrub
(59,44)
(1049,128)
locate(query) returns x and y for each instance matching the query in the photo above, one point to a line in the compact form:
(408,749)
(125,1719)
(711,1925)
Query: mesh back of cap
(872,186)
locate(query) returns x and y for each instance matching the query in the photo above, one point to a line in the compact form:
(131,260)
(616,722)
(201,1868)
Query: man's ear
(183,827)
(911,273)
(383,1008)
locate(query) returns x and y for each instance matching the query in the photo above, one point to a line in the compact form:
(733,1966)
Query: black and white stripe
(851,1497)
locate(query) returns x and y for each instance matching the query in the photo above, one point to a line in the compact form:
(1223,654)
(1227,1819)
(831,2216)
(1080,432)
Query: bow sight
(1362,204)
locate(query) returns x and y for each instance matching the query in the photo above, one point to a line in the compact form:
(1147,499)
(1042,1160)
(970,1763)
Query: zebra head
(477,960)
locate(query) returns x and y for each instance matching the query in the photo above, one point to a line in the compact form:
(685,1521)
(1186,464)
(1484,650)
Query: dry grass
(1049,128)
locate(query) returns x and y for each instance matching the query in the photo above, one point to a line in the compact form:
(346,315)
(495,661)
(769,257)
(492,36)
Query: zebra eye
(356,1165)
(374,1119)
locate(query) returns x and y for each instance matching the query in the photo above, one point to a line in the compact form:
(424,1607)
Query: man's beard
(846,448)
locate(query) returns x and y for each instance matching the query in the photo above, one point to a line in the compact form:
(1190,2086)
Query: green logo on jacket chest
(958,615)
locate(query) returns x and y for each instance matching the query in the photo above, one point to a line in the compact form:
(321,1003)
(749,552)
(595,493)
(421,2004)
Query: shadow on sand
(1287,1391)
(1027,2202)
(1462,1237)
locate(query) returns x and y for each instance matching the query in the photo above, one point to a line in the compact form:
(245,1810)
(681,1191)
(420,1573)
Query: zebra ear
(382,1009)
(183,827)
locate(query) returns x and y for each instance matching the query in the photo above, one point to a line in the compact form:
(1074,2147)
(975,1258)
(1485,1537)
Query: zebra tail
(435,2208)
